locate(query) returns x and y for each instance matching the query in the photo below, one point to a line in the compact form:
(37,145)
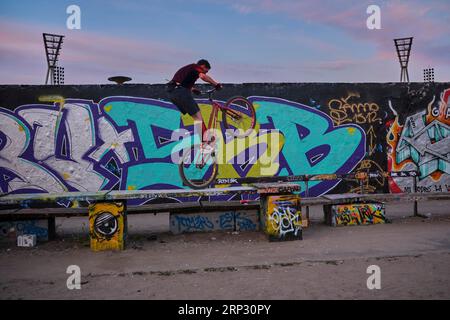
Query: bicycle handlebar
(208,91)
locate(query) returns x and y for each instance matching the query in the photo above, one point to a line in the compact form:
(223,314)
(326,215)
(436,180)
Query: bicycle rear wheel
(197,168)
(239,115)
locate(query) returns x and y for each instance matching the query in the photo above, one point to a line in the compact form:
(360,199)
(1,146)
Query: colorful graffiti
(369,185)
(344,111)
(422,143)
(357,214)
(367,114)
(107,226)
(282,217)
(313,145)
(245,222)
(125,143)
(12,229)
(194,223)
(214,221)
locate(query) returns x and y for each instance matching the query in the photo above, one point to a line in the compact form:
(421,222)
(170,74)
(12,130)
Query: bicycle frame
(204,153)
(212,123)
(213,119)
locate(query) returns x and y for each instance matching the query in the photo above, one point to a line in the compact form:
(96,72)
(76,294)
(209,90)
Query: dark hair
(203,62)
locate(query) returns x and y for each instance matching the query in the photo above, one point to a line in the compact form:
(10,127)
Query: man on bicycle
(181,87)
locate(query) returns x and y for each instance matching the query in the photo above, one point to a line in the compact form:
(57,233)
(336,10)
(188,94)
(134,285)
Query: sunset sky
(245,40)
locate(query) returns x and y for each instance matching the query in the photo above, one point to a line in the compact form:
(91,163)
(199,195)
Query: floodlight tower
(58,75)
(403,47)
(53,43)
(428,75)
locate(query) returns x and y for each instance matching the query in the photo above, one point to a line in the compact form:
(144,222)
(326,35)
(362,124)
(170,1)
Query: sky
(244,40)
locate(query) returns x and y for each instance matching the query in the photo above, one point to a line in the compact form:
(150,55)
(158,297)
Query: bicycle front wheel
(240,116)
(198,168)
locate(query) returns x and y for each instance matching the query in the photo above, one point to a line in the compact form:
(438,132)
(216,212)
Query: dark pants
(182,98)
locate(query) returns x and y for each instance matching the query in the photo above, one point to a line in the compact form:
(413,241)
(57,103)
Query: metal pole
(416,211)
(307,195)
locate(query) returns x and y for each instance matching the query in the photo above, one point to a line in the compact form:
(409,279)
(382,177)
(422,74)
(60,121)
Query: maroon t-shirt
(187,75)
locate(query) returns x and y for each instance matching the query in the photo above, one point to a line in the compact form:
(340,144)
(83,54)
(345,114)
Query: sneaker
(208,140)
(207,148)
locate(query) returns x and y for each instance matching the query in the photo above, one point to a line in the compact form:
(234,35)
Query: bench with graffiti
(278,212)
(107,211)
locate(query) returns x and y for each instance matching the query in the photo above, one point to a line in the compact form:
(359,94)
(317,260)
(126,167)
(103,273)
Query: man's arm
(208,79)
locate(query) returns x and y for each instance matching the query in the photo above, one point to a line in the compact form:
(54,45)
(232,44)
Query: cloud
(426,21)
(274,52)
(87,56)
(242,9)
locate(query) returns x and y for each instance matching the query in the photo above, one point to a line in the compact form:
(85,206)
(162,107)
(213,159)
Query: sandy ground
(330,263)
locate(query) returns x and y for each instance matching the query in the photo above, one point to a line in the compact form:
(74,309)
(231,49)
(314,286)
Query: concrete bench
(201,215)
(107,211)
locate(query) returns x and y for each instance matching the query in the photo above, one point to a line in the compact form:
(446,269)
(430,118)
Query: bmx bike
(198,166)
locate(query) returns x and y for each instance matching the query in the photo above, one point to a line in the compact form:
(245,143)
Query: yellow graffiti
(324,177)
(283,216)
(75,204)
(371,138)
(342,111)
(57,100)
(358,214)
(108,108)
(107,226)
(369,185)
(266,163)
(52,98)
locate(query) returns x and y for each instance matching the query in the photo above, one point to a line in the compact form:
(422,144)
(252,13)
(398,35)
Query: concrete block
(281,218)
(355,214)
(107,226)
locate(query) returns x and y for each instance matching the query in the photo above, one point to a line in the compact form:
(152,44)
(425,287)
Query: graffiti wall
(12,229)
(92,138)
(355,214)
(422,142)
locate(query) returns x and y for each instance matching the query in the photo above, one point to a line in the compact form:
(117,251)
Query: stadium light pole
(52,43)
(403,47)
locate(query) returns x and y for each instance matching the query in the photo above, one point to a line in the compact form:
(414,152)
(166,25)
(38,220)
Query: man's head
(204,65)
